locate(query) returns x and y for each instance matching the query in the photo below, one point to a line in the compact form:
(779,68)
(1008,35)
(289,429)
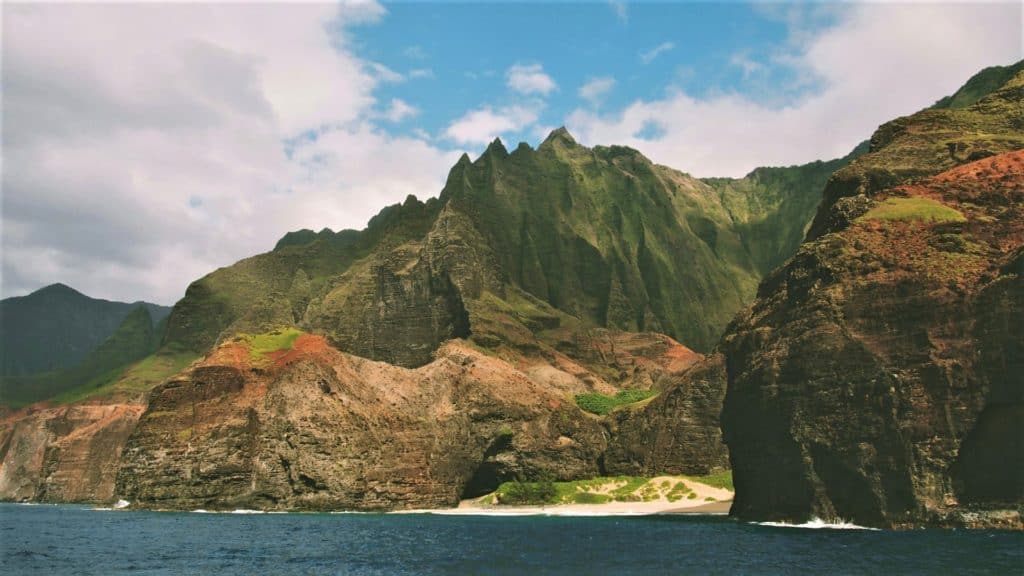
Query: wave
(522,512)
(818,524)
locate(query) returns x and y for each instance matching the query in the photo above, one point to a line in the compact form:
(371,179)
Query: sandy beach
(701,503)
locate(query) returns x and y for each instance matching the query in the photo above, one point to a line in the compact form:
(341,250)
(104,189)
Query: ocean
(45,539)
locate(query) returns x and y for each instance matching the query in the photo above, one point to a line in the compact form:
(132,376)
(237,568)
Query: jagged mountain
(602,235)
(436,353)
(56,327)
(535,276)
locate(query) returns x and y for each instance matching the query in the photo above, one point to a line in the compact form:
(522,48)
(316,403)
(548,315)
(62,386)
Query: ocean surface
(78,540)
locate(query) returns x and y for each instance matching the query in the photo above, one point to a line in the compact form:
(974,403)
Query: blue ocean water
(78,540)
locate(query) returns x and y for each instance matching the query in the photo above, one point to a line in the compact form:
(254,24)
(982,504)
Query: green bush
(541,491)
(718,480)
(602,404)
(590,498)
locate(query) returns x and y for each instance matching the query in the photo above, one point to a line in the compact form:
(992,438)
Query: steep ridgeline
(601,234)
(136,337)
(980,85)
(879,375)
(436,353)
(56,327)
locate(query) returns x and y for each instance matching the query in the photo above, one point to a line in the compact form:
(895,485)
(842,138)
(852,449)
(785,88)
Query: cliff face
(314,428)
(67,454)
(878,376)
(601,235)
(677,432)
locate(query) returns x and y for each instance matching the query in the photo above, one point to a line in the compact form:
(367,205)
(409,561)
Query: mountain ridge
(56,326)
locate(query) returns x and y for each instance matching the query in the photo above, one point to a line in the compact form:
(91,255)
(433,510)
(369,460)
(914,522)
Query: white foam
(245,511)
(817,524)
(525,512)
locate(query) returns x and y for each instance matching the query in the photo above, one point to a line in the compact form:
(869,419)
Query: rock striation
(313,428)
(64,454)
(878,377)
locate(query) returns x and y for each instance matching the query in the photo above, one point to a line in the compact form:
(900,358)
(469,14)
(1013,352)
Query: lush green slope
(601,235)
(56,327)
(134,339)
(980,85)
(770,206)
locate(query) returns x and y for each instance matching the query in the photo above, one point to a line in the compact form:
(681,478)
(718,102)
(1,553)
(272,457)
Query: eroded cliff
(878,376)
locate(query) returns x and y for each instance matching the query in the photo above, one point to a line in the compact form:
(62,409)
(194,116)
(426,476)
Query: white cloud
(596,89)
(869,70)
(142,144)
(530,79)
(748,65)
(415,52)
(400,110)
(421,73)
(621,10)
(485,124)
(650,55)
(385,74)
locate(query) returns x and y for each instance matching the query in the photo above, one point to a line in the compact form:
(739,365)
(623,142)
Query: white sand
(696,505)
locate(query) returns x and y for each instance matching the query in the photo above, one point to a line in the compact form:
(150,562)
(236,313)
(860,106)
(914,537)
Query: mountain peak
(560,134)
(497,147)
(58,288)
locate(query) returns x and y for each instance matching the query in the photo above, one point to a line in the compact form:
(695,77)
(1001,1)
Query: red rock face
(879,378)
(66,454)
(314,428)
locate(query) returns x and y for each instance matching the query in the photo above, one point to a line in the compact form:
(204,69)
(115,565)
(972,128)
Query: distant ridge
(56,326)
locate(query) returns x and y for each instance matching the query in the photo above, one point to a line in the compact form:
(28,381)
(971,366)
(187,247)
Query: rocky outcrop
(678,431)
(313,428)
(66,454)
(878,377)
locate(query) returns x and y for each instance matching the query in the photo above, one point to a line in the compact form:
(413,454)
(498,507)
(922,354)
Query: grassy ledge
(262,344)
(602,404)
(913,209)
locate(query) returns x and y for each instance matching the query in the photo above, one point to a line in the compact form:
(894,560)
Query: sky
(145,145)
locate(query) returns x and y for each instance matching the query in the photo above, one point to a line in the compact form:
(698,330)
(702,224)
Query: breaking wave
(817,524)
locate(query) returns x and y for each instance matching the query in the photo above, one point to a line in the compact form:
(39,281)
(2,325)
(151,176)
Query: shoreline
(472,508)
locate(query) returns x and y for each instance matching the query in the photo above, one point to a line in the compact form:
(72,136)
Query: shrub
(590,498)
(602,404)
(541,491)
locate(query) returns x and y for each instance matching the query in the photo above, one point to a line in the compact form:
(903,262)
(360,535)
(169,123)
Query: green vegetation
(980,85)
(717,480)
(913,208)
(540,491)
(134,379)
(134,339)
(595,237)
(601,490)
(55,328)
(678,491)
(772,207)
(602,404)
(262,344)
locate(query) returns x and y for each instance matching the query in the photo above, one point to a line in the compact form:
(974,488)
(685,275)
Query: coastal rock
(878,377)
(677,432)
(66,454)
(313,428)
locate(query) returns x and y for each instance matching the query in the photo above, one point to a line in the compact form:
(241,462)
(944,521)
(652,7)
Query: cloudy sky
(145,145)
